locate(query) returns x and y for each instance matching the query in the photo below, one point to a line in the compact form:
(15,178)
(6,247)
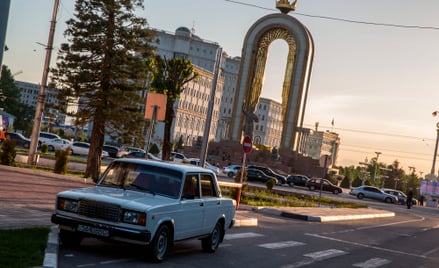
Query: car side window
(190,188)
(207,186)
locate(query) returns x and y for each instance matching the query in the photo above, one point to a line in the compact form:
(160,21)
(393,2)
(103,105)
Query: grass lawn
(23,247)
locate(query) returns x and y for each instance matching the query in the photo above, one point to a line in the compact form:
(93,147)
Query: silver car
(373,193)
(402,197)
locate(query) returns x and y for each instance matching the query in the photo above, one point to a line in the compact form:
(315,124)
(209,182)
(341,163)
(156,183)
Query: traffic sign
(247,144)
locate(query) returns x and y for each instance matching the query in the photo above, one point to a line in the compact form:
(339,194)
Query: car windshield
(145,178)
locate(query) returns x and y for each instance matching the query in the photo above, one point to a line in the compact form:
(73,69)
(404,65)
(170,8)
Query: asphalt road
(407,240)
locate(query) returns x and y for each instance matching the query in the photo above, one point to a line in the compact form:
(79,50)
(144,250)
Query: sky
(375,69)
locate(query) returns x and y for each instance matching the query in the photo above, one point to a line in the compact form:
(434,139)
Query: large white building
(29,93)
(192,107)
(268,129)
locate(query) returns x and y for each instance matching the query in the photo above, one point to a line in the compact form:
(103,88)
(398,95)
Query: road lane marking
(241,235)
(316,257)
(373,226)
(325,254)
(372,263)
(367,246)
(284,244)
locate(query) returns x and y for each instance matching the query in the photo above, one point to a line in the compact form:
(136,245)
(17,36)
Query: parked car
(179,157)
(373,192)
(151,203)
(135,149)
(317,184)
(196,162)
(45,137)
(142,155)
(402,197)
(114,151)
(280,178)
(19,139)
(58,144)
(297,180)
(254,174)
(83,148)
(231,170)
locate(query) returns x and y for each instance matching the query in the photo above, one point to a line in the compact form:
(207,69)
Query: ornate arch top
(274,34)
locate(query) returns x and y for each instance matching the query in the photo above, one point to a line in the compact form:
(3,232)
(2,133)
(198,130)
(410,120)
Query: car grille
(99,210)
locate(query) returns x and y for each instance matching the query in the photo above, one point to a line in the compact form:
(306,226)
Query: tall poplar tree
(100,67)
(169,76)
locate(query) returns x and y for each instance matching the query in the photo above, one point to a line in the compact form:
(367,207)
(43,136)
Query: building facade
(268,129)
(315,144)
(191,109)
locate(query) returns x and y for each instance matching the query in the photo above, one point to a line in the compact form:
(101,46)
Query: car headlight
(69,205)
(134,217)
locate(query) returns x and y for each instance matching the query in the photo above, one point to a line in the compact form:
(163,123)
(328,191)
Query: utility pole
(31,160)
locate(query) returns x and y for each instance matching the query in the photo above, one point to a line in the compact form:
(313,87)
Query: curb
(319,218)
(51,252)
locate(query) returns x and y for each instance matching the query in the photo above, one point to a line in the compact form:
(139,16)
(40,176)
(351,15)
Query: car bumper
(93,229)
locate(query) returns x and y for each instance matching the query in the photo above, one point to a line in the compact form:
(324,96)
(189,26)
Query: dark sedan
(280,178)
(19,139)
(257,175)
(297,180)
(325,185)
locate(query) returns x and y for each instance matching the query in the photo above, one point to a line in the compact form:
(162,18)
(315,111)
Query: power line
(343,20)
(374,133)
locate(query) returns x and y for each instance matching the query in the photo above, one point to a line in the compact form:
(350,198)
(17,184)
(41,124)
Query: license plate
(93,230)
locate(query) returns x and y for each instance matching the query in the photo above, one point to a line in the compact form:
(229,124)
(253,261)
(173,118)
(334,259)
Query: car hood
(136,200)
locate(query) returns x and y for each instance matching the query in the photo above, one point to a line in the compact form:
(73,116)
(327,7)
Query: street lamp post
(435,113)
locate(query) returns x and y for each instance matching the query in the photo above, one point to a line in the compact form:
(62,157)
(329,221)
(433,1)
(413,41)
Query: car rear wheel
(291,184)
(388,200)
(360,196)
(51,148)
(312,188)
(211,243)
(231,174)
(160,244)
(336,191)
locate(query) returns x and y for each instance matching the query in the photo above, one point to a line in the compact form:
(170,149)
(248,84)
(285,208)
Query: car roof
(170,165)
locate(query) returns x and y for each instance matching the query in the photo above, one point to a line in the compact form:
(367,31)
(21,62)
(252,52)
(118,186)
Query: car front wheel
(291,184)
(231,174)
(160,244)
(211,243)
(70,239)
(360,196)
(336,191)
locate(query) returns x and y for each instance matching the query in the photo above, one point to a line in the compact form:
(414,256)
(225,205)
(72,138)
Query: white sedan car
(58,144)
(151,203)
(82,148)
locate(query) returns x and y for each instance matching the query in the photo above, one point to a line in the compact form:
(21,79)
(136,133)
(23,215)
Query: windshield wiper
(142,188)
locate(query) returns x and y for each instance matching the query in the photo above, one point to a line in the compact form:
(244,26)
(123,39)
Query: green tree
(169,77)
(103,68)
(10,102)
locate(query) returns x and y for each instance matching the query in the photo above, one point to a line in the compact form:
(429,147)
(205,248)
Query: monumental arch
(251,74)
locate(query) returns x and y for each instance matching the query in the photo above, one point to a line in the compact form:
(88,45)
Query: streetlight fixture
(376,164)
(434,114)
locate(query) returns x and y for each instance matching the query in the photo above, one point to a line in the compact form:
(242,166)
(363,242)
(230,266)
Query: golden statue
(284,6)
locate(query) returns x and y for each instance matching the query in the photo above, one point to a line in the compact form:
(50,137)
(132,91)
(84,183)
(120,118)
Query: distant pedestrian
(409,198)
(421,200)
